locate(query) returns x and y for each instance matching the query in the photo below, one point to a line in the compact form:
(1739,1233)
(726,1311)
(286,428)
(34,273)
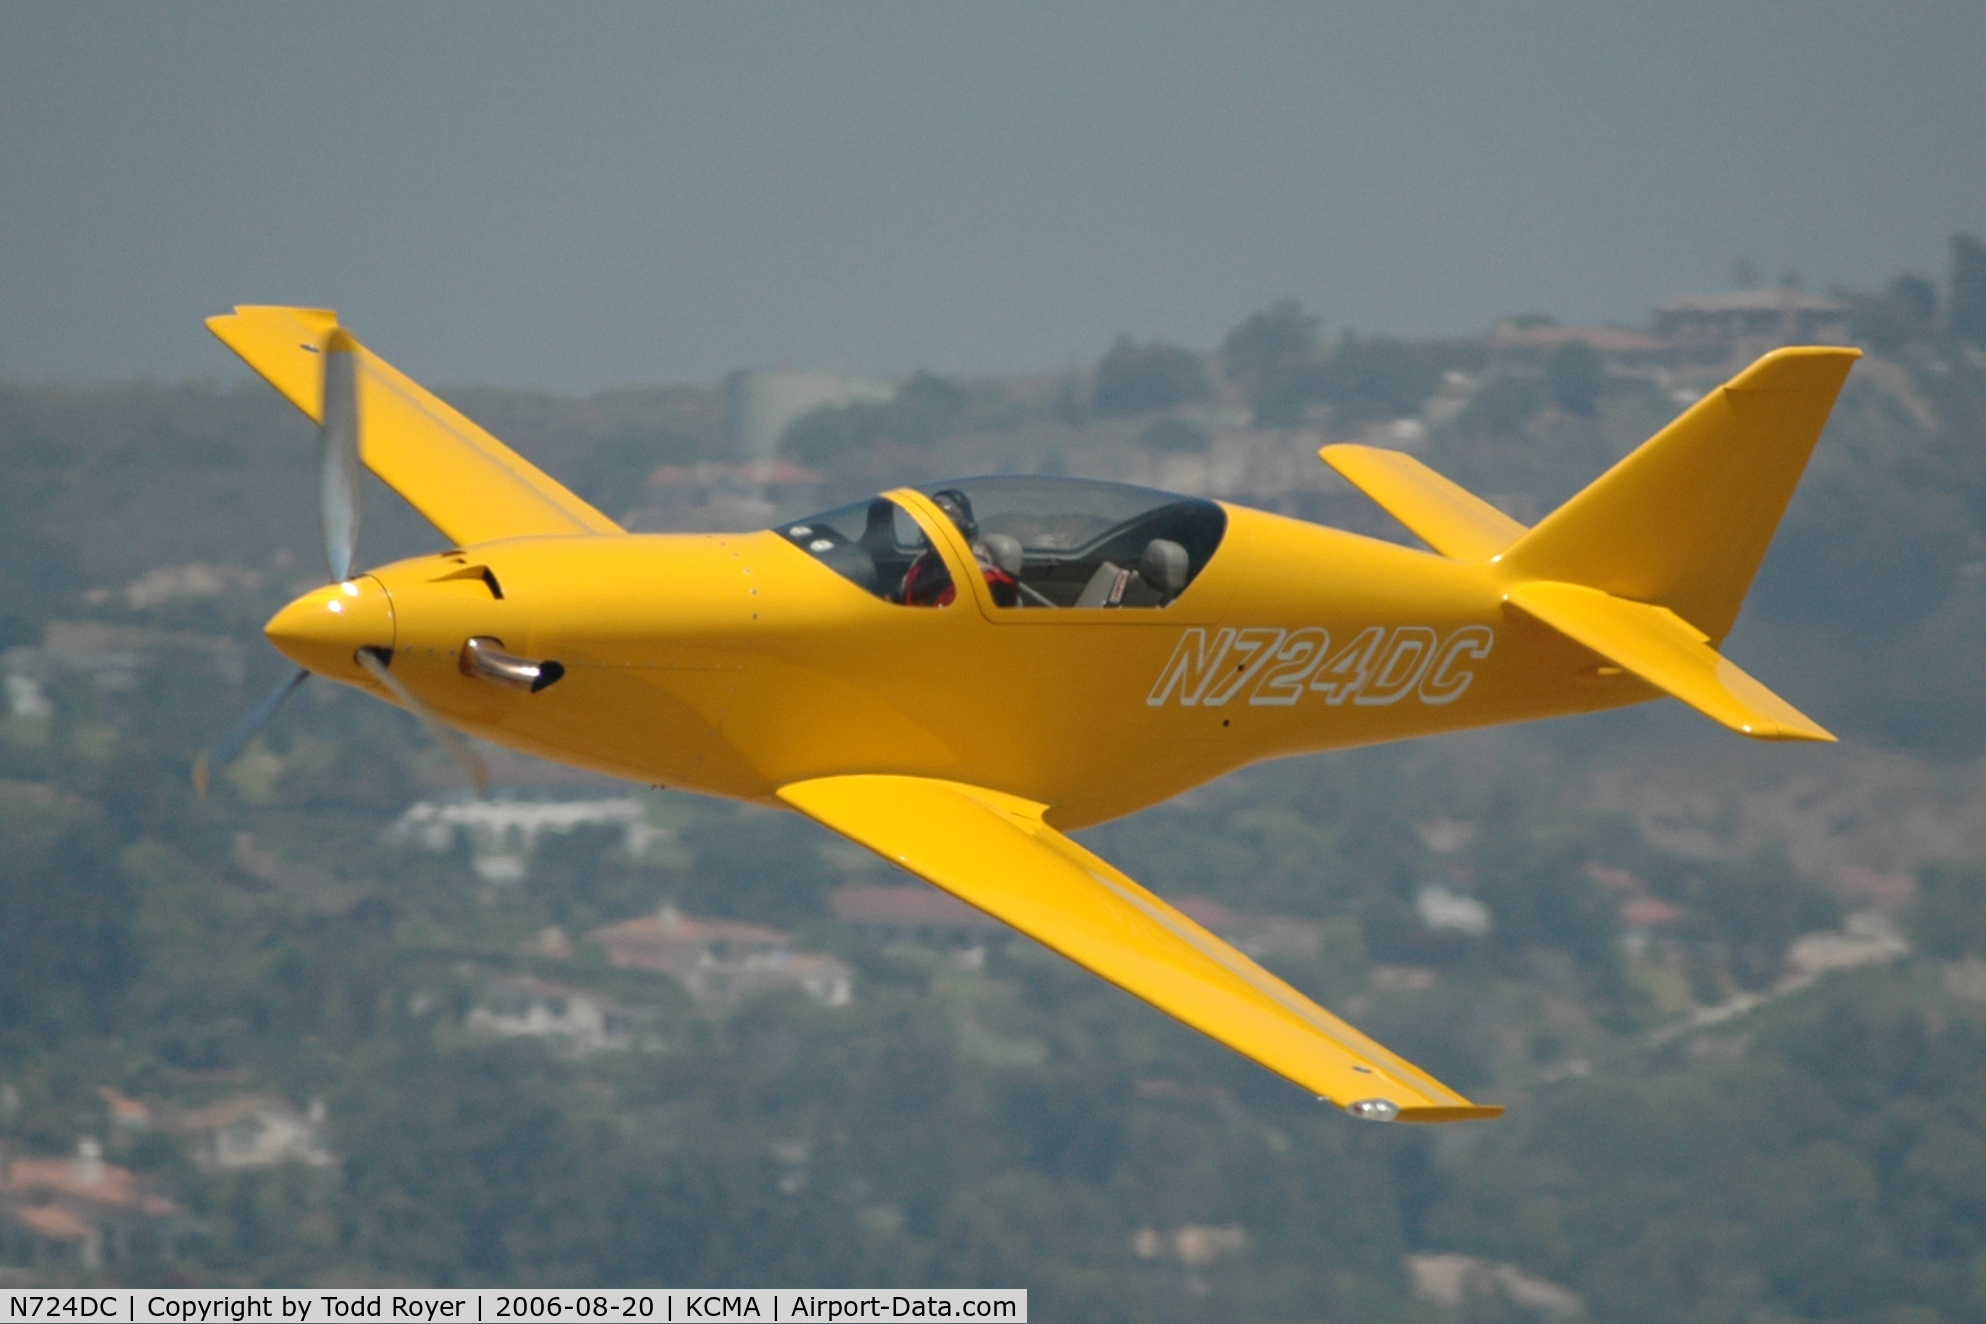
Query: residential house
(81,1213)
(1512,348)
(503,834)
(128,1117)
(1724,332)
(895,913)
(110,655)
(573,1020)
(257,1131)
(722,962)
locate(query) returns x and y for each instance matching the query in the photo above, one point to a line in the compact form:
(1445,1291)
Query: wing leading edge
(995,852)
(470,485)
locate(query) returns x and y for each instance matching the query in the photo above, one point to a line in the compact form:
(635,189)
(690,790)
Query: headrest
(1005,549)
(1164,566)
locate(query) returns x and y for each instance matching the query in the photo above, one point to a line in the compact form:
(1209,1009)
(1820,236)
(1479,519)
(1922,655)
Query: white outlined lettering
(1407,656)
(1251,649)
(1443,684)
(1193,664)
(1376,668)
(1282,684)
(1349,668)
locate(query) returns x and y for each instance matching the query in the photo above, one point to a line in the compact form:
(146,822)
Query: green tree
(65,914)
(1903,312)
(1950,919)
(1377,377)
(1273,341)
(1575,375)
(1968,293)
(1501,406)
(1142,379)
(1755,908)
(927,409)
(1865,548)
(767,868)
(1272,356)
(1173,436)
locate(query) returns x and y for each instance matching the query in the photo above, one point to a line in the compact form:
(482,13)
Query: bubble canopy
(1041,542)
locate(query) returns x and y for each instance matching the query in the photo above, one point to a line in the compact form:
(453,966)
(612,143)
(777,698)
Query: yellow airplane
(956,675)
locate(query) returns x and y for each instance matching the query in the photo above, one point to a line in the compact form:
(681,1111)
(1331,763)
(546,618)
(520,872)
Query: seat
(1106,586)
(1164,568)
(1159,578)
(879,529)
(1005,551)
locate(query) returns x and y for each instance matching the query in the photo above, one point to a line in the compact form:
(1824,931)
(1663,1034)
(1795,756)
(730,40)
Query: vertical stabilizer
(1684,521)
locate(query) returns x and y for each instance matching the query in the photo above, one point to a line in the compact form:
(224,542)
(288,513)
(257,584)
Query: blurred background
(342,1023)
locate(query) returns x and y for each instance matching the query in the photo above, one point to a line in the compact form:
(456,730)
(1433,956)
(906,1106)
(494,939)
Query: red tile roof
(53,1222)
(909,908)
(113,1186)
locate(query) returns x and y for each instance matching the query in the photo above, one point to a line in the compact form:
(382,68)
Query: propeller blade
(341,490)
(445,735)
(221,752)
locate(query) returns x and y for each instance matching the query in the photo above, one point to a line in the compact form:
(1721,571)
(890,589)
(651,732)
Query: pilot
(929,584)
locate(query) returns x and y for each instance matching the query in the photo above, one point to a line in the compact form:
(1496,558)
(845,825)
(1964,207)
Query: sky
(571,197)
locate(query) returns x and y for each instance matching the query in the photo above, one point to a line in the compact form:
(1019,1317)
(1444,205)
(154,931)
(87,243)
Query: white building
(503,834)
(257,1131)
(571,1019)
(722,962)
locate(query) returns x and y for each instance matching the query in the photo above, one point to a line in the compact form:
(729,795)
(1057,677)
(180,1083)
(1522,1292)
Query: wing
(470,485)
(993,851)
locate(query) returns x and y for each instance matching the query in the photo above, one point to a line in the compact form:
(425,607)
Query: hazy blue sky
(571,196)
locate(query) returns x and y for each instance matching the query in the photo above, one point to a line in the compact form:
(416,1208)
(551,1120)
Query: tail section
(1684,521)
(1648,566)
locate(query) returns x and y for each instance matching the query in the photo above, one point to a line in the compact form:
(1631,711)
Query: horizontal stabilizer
(469,485)
(994,852)
(1669,653)
(1451,519)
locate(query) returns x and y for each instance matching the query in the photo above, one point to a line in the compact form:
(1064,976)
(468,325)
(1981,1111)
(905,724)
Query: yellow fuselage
(734,664)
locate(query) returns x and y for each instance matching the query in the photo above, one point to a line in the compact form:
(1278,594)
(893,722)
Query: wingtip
(1781,369)
(1809,735)
(1475,1112)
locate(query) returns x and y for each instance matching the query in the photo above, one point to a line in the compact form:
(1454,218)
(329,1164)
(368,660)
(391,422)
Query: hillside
(1734,995)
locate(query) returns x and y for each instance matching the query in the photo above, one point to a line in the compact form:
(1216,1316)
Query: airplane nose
(324,628)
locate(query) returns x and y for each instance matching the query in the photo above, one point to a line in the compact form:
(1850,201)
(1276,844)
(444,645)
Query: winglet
(1666,651)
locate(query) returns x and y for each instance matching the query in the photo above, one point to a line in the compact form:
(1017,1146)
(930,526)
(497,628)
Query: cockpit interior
(1041,543)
